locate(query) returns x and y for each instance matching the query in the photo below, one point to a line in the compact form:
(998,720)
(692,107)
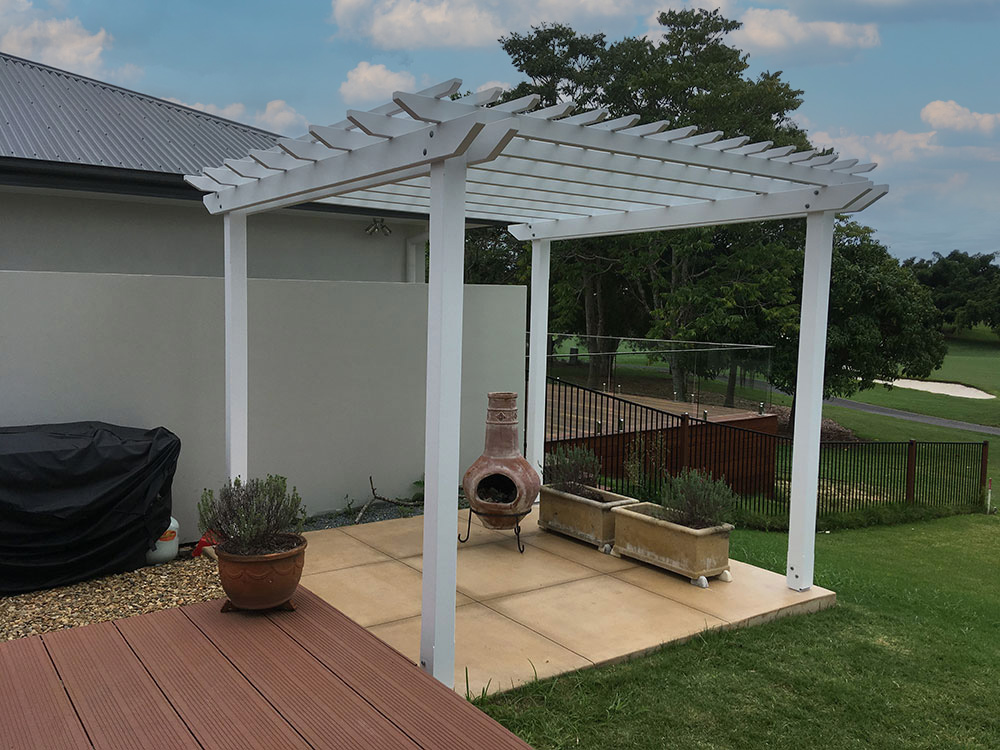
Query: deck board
(34,708)
(117,701)
(319,705)
(430,713)
(222,709)
(197,678)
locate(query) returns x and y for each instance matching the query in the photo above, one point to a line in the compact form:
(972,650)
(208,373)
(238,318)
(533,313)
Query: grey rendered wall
(336,372)
(93,233)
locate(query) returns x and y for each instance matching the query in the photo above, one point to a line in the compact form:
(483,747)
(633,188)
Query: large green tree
(737,283)
(619,286)
(965,287)
(882,322)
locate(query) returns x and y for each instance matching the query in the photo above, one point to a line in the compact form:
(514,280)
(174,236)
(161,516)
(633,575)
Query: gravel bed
(186,580)
(376,512)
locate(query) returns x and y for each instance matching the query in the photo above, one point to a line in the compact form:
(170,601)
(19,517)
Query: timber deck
(196,678)
(577,413)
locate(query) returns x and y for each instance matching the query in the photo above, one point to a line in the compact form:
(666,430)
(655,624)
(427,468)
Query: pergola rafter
(549,174)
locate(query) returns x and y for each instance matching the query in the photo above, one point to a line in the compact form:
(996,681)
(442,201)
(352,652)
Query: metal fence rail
(639,446)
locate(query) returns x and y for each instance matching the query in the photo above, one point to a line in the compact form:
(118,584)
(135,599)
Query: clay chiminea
(501,485)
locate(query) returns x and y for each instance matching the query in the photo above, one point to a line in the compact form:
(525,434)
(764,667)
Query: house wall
(337,372)
(111,309)
(47,230)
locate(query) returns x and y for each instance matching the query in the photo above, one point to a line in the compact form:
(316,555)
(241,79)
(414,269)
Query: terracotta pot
(580,517)
(641,533)
(261,581)
(501,485)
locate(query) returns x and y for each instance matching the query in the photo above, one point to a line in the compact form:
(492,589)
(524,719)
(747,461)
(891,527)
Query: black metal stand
(517,527)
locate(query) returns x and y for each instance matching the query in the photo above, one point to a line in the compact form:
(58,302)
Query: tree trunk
(731,386)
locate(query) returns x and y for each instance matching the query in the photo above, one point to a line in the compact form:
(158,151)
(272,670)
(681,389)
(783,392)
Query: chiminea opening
(497,488)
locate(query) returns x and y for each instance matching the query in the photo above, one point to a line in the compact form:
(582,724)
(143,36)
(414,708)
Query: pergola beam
(756,208)
(398,159)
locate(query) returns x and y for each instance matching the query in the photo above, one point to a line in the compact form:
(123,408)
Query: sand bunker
(946,389)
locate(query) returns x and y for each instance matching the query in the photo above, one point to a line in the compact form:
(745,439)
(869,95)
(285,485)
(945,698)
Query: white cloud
(280,117)
(951,115)
(493,84)
(777,30)
(883,148)
(63,43)
(232,111)
(370,83)
(418,24)
(277,116)
(411,24)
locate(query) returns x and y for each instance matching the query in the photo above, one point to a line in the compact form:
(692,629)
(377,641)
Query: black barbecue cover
(80,500)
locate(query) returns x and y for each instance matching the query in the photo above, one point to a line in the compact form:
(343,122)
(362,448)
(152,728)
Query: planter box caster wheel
(701,582)
(726,576)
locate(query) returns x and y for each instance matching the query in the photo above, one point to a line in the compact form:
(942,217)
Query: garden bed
(183,581)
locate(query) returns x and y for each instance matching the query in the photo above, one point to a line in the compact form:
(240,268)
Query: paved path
(939,421)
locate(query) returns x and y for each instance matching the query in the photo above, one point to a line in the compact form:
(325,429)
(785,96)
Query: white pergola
(550,175)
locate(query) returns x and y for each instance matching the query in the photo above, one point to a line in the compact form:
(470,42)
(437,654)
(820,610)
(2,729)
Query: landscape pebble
(174,584)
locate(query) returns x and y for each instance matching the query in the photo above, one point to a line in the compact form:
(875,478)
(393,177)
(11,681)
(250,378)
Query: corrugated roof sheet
(53,115)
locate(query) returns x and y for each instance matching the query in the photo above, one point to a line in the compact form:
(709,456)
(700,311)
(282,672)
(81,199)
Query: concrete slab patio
(559,607)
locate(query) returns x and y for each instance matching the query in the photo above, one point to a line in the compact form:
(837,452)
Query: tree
(740,282)
(882,322)
(964,287)
(690,77)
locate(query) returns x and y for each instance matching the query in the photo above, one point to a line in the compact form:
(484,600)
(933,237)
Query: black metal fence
(639,446)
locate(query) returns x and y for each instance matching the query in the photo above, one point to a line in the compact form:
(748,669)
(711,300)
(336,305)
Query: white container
(166,545)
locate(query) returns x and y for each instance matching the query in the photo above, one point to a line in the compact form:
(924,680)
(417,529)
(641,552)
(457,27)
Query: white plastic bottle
(166,545)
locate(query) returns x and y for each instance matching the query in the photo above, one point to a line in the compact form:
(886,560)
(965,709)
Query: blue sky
(911,84)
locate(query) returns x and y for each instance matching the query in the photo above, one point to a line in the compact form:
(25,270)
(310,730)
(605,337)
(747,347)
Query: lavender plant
(255,517)
(697,499)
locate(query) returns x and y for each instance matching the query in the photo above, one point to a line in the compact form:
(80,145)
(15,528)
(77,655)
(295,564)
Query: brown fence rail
(638,446)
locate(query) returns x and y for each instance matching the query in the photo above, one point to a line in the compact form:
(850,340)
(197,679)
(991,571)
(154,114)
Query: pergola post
(537,353)
(809,399)
(237,349)
(444,396)
(415,258)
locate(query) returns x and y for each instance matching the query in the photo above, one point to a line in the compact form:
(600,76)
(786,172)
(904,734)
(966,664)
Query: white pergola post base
(237,349)
(809,399)
(444,401)
(534,421)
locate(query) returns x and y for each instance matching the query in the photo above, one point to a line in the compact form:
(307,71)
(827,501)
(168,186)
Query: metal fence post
(984,465)
(685,440)
(911,471)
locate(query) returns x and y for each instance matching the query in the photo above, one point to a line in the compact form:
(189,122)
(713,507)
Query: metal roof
(57,116)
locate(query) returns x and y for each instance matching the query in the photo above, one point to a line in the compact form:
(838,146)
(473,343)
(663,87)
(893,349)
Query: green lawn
(950,407)
(909,658)
(973,359)
(972,362)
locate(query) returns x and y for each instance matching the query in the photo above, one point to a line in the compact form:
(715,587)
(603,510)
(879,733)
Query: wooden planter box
(690,552)
(588,520)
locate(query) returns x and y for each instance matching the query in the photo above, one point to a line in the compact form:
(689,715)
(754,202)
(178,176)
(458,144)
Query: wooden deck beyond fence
(195,678)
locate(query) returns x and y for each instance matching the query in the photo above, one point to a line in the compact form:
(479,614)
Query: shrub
(255,517)
(697,499)
(571,469)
